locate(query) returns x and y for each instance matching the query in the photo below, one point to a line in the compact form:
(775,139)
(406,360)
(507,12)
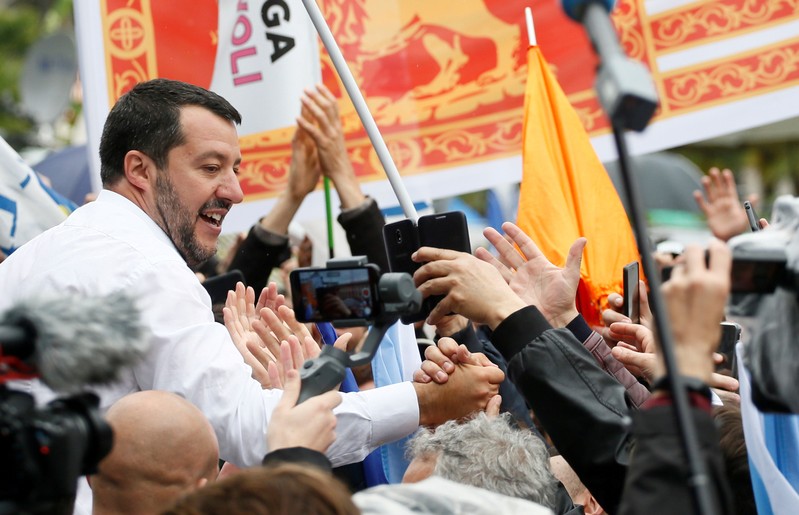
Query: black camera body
(44,451)
(351,292)
(759,262)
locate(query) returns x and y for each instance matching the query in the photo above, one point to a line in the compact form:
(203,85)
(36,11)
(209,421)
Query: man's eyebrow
(215,155)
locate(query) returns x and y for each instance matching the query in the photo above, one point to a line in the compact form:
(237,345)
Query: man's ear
(140,170)
(591,506)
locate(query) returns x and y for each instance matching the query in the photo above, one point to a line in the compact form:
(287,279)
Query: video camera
(351,292)
(348,292)
(68,343)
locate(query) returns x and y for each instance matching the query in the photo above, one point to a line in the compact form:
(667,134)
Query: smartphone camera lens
(399,236)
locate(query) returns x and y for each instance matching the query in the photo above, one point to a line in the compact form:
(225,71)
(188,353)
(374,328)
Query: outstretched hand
(311,424)
(471,287)
(532,276)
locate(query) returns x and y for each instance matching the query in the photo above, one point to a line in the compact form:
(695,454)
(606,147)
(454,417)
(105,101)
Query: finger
(574,260)
(443,308)
(720,259)
(326,401)
(434,372)
(728,181)
(526,245)
(610,316)
(275,324)
(486,256)
(700,201)
(419,376)
(267,337)
(297,356)
(249,302)
(434,254)
(723,382)
(311,348)
(286,361)
(274,375)
(291,390)
(288,317)
(494,375)
(310,129)
(718,359)
(694,259)
(261,353)
(633,358)
(326,92)
(508,255)
(712,183)
(763,223)
(442,357)
(615,301)
(492,408)
(342,341)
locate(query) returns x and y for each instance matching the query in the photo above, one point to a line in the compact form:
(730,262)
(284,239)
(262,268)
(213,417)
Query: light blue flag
(772,443)
(396,360)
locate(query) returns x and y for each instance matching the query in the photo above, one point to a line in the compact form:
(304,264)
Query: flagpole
(528,16)
(362,109)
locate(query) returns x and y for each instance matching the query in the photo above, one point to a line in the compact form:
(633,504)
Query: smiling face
(199,185)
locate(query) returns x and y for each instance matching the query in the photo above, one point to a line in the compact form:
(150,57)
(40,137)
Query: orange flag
(566,193)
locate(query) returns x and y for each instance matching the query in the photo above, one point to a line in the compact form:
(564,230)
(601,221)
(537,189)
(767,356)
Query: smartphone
(730,336)
(630,308)
(401,240)
(444,231)
(754,221)
(218,286)
(345,295)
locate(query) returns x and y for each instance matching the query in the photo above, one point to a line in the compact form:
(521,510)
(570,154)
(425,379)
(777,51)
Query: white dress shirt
(111,245)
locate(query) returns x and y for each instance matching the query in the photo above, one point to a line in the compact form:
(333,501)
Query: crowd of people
(519,406)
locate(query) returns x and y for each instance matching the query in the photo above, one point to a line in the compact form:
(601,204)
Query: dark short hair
(284,488)
(147,119)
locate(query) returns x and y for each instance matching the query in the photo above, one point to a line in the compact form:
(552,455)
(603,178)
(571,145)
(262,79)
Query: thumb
(291,391)
(575,258)
(643,302)
(492,408)
(342,341)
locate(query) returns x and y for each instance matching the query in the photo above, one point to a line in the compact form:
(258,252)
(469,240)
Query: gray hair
(488,453)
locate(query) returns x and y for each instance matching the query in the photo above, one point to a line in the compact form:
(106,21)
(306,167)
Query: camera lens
(399,236)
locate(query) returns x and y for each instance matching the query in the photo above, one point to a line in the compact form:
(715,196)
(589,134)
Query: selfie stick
(629,98)
(362,109)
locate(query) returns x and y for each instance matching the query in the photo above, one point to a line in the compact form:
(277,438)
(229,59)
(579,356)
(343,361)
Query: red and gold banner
(445,81)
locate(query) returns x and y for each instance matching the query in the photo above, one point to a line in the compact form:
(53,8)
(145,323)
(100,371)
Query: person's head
(487,453)
(172,148)
(163,447)
(577,491)
(736,458)
(286,488)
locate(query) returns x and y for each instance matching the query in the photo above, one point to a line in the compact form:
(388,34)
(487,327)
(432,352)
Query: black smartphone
(218,286)
(751,215)
(730,336)
(401,239)
(444,231)
(630,308)
(346,295)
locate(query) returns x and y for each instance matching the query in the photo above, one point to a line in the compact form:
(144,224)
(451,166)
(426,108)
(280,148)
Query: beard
(178,222)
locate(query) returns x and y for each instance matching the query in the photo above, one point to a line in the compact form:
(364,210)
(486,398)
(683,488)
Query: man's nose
(231,188)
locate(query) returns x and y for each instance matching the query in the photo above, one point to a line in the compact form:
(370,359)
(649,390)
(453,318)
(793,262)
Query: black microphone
(624,86)
(74,341)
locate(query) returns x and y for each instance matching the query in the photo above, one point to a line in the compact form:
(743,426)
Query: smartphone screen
(630,308)
(335,294)
(751,215)
(444,231)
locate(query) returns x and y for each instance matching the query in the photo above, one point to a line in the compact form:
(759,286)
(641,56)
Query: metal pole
(362,109)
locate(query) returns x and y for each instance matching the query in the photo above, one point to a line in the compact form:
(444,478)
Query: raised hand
(725,213)
(532,276)
(239,315)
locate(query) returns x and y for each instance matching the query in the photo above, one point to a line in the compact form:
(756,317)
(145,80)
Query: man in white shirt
(170,157)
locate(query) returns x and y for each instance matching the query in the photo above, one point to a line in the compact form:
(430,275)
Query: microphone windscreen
(81,340)
(575,9)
